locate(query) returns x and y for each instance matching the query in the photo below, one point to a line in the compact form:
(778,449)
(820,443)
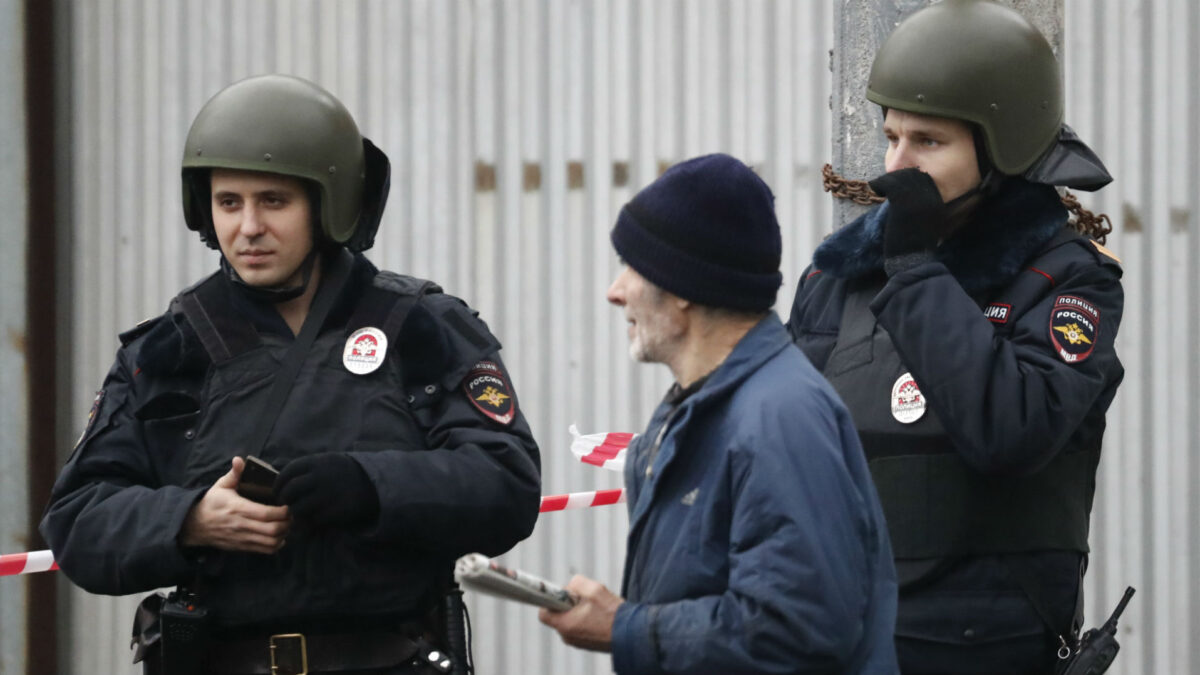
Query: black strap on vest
(193,309)
(389,314)
(326,295)
(856,333)
(222,335)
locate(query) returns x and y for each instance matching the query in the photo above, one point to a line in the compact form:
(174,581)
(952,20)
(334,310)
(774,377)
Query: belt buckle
(289,654)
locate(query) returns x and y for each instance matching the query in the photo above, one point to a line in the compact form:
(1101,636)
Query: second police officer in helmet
(398,440)
(970,327)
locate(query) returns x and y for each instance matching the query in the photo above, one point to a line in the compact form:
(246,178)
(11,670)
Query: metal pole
(14,398)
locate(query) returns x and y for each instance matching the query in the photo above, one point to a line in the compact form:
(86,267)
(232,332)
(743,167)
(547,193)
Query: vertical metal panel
(14,328)
(1133,92)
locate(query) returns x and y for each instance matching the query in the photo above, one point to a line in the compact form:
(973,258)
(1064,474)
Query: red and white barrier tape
(43,561)
(602,450)
(606,451)
(582,500)
(26,563)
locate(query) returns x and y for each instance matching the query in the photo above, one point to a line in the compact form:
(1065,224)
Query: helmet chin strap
(960,209)
(274,294)
(963,206)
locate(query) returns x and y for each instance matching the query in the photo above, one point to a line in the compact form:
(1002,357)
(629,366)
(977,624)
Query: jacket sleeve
(476,484)
(111,525)
(1008,401)
(799,571)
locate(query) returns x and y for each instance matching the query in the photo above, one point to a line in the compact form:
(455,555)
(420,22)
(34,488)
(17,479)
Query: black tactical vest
(329,573)
(934,503)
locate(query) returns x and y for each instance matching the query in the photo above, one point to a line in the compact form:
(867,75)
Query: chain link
(856,191)
(1096,226)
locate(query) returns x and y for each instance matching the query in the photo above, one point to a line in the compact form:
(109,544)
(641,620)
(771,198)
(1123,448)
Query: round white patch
(365,349)
(908,403)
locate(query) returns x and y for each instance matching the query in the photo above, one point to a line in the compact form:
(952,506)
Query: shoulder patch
(1105,252)
(1074,325)
(487,388)
(91,420)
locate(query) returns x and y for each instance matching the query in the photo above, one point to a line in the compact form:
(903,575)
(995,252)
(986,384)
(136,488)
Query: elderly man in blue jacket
(756,541)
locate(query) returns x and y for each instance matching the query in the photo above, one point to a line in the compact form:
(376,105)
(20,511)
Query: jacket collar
(766,339)
(987,252)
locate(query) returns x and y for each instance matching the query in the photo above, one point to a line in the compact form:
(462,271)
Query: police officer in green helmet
(381,403)
(969,324)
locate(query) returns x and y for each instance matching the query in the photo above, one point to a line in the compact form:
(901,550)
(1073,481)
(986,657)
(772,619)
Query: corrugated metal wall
(14,330)
(1133,78)
(517,129)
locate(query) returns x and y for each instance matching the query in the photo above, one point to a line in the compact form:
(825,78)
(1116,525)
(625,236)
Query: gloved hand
(327,489)
(916,219)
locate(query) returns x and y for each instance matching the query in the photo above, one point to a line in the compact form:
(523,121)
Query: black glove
(916,219)
(327,489)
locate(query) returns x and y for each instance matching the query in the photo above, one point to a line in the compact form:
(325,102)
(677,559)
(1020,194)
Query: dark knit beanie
(706,232)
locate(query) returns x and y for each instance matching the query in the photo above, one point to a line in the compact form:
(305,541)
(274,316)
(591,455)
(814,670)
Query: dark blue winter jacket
(1009,333)
(756,542)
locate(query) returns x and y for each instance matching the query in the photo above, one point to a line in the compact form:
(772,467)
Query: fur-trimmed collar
(987,252)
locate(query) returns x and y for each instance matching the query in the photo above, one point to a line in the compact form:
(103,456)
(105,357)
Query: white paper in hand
(479,573)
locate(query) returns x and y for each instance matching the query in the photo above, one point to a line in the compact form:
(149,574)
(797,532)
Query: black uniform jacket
(1008,333)
(455,470)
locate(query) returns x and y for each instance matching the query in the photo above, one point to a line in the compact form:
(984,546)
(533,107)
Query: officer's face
(655,322)
(941,147)
(263,224)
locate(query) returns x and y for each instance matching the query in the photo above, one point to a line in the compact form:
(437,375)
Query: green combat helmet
(983,63)
(289,126)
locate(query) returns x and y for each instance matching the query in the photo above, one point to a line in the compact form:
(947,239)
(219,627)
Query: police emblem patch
(364,351)
(997,312)
(87,428)
(908,403)
(1074,324)
(488,390)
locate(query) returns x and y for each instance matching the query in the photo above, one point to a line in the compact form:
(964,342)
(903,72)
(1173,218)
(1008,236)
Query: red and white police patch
(1074,325)
(488,390)
(908,403)
(364,351)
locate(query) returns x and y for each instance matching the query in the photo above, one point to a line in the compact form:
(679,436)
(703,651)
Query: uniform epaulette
(1104,251)
(141,329)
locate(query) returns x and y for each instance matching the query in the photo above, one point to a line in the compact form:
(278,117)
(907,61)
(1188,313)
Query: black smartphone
(258,481)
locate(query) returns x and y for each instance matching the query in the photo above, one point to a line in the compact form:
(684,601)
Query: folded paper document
(477,572)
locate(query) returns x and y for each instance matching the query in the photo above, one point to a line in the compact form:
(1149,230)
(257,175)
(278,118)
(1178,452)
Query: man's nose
(251,225)
(616,292)
(901,157)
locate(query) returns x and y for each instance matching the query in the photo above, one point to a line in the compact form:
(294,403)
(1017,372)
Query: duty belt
(299,654)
